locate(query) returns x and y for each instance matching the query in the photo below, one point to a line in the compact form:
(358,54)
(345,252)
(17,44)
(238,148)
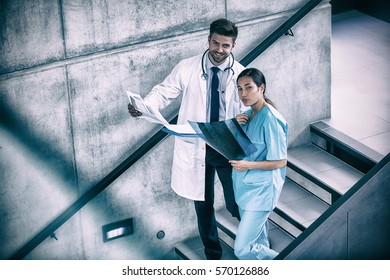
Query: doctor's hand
(133,112)
(242,118)
(241,165)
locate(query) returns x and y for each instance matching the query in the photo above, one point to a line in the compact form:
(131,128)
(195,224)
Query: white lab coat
(188,168)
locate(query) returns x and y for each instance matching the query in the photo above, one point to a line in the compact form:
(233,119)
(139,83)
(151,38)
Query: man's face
(220,48)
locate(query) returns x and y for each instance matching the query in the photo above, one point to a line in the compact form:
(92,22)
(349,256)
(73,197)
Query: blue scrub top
(259,190)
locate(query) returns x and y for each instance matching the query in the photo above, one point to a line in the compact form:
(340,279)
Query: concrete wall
(65,66)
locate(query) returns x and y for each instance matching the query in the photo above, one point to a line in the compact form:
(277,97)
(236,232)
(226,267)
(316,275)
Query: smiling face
(250,94)
(220,48)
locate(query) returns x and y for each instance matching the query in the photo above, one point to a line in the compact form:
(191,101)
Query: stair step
(325,170)
(310,186)
(348,149)
(226,222)
(278,238)
(192,248)
(226,240)
(299,206)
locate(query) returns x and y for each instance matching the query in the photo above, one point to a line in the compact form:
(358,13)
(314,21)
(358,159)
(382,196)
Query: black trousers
(205,213)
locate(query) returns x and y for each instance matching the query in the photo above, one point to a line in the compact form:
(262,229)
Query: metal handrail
(279,32)
(148,145)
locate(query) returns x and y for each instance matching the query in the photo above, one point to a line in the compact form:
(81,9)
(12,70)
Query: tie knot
(215,69)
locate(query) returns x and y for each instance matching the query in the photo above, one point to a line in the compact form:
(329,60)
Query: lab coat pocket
(184,153)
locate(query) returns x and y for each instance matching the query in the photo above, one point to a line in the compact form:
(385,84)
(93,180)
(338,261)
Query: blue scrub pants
(252,236)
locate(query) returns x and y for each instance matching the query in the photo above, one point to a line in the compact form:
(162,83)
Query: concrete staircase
(318,174)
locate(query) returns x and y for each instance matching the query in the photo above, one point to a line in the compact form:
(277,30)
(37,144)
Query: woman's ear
(262,88)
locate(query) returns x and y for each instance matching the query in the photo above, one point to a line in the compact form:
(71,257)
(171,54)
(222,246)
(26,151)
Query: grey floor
(361,79)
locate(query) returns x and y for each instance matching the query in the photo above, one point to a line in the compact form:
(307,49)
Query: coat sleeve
(162,94)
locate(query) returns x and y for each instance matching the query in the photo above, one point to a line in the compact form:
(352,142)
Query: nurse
(258,178)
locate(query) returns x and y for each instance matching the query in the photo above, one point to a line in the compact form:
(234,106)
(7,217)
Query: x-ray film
(226,137)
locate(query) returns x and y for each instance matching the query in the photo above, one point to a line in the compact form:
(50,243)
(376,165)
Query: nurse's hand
(133,112)
(241,165)
(242,118)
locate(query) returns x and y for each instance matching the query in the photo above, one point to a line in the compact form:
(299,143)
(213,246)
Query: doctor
(195,163)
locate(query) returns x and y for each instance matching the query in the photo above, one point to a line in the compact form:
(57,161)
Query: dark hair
(224,27)
(258,78)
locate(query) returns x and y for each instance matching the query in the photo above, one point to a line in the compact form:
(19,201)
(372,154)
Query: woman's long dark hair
(258,78)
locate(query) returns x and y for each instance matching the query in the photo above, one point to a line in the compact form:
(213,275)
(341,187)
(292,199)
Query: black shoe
(212,255)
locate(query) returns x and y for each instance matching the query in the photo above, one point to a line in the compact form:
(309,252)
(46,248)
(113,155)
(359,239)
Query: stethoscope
(205,76)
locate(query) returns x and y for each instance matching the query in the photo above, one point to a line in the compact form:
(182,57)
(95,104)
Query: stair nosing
(349,144)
